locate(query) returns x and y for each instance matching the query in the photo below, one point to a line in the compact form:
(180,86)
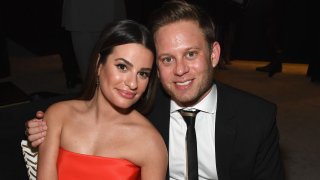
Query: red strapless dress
(75,166)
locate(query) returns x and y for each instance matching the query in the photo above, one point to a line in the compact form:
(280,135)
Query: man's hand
(36,129)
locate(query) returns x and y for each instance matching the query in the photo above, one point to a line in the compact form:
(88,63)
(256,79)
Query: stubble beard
(187,100)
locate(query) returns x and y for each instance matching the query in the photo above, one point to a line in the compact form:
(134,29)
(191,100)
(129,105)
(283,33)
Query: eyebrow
(131,65)
(125,61)
(186,49)
(192,48)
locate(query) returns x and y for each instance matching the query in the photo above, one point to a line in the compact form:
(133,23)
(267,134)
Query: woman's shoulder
(67,105)
(142,122)
(147,131)
(63,108)
(150,143)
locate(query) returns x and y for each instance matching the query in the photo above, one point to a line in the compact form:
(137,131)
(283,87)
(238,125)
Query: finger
(34,123)
(37,142)
(39,114)
(31,122)
(37,129)
(44,125)
(34,138)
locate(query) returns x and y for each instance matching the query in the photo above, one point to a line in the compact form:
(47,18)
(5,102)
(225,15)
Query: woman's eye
(144,75)
(121,67)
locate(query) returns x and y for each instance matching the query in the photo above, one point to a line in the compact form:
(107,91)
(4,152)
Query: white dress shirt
(205,130)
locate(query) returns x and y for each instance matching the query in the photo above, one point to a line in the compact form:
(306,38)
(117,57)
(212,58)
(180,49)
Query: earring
(97,81)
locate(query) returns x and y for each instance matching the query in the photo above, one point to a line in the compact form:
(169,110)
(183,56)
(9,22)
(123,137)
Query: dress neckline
(95,156)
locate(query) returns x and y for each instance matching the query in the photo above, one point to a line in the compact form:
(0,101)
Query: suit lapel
(225,132)
(225,126)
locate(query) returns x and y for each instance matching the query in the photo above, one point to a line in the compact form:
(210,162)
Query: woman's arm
(49,149)
(155,161)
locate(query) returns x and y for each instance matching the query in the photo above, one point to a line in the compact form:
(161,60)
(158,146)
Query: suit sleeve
(268,162)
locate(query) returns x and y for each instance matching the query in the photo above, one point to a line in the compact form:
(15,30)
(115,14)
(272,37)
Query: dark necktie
(191,141)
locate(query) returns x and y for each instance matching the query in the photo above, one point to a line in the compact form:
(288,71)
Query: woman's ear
(215,53)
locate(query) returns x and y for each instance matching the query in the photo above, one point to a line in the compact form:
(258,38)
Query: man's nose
(181,67)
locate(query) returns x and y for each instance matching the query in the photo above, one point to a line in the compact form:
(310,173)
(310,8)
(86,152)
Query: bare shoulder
(150,148)
(147,128)
(150,139)
(60,110)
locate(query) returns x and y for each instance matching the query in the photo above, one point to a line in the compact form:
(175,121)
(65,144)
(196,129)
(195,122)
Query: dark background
(36,25)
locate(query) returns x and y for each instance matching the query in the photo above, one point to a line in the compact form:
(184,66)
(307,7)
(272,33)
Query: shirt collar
(207,104)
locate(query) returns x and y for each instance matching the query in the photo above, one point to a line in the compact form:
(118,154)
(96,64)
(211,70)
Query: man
(237,136)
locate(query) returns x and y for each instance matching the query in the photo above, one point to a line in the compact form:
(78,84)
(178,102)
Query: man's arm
(268,160)
(36,129)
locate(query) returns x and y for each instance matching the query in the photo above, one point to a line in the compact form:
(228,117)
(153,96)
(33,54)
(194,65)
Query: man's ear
(215,53)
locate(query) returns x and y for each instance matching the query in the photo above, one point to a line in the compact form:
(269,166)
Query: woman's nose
(131,82)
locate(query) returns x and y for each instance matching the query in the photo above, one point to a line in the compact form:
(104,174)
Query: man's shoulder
(239,96)
(245,106)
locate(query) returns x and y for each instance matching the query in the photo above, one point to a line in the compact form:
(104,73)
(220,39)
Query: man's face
(185,61)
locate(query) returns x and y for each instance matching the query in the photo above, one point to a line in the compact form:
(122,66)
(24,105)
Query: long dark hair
(115,34)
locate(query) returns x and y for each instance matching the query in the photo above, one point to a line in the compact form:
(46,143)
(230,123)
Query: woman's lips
(127,94)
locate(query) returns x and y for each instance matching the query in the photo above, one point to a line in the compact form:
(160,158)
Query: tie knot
(189,116)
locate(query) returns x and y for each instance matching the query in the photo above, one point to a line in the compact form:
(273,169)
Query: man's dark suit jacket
(247,138)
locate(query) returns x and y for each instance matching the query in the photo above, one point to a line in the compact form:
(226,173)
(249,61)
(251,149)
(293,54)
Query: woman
(103,135)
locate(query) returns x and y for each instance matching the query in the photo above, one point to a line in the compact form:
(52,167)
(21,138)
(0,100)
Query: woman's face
(125,74)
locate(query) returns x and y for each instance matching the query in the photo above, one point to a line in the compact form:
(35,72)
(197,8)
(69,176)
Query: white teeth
(183,83)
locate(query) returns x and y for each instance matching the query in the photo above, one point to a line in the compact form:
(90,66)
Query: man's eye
(121,67)
(167,60)
(192,54)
